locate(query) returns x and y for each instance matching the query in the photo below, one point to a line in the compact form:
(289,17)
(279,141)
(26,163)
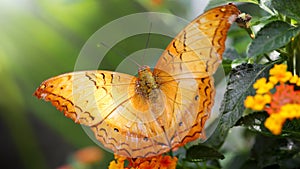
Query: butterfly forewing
(87,97)
(197,50)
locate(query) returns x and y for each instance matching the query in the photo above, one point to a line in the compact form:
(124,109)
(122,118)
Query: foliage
(278,31)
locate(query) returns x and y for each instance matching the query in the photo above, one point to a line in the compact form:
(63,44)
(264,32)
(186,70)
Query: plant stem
(296,53)
(293,50)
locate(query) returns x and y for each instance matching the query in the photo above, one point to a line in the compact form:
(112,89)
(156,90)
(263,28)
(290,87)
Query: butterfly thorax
(146,82)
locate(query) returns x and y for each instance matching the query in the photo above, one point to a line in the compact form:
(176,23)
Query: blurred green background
(41,39)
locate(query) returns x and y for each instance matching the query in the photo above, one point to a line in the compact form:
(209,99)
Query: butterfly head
(144,68)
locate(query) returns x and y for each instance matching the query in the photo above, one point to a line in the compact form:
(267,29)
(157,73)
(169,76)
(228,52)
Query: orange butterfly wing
(206,101)
(80,94)
(121,120)
(172,115)
(196,52)
(199,46)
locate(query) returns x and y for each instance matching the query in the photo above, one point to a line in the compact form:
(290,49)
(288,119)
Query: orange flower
(283,104)
(147,165)
(88,155)
(168,162)
(284,94)
(156,162)
(65,167)
(157,2)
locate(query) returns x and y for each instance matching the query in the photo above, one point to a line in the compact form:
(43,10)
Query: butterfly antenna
(147,42)
(119,54)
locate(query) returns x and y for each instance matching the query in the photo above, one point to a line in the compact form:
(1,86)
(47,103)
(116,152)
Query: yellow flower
(290,111)
(298,82)
(118,163)
(262,86)
(279,74)
(273,80)
(257,102)
(249,101)
(294,79)
(283,103)
(278,69)
(274,123)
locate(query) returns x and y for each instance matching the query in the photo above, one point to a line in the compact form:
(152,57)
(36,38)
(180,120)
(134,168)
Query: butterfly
(158,110)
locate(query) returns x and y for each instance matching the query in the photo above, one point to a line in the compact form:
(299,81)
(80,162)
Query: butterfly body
(146,82)
(158,110)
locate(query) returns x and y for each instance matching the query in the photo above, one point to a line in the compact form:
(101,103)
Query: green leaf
(201,152)
(290,8)
(226,63)
(214,3)
(291,129)
(271,151)
(239,86)
(272,36)
(230,54)
(254,122)
(238,160)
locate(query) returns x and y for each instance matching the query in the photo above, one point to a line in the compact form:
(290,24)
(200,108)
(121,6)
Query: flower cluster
(84,157)
(282,104)
(157,162)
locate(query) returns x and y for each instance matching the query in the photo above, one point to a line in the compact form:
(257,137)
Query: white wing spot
(43,95)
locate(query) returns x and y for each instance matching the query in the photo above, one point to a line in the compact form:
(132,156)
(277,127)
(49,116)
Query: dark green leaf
(291,129)
(290,8)
(201,153)
(254,121)
(271,151)
(237,160)
(263,20)
(239,86)
(272,36)
(214,3)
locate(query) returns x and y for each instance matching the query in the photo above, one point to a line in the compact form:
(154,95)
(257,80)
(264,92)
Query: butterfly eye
(196,97)
(145,138)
